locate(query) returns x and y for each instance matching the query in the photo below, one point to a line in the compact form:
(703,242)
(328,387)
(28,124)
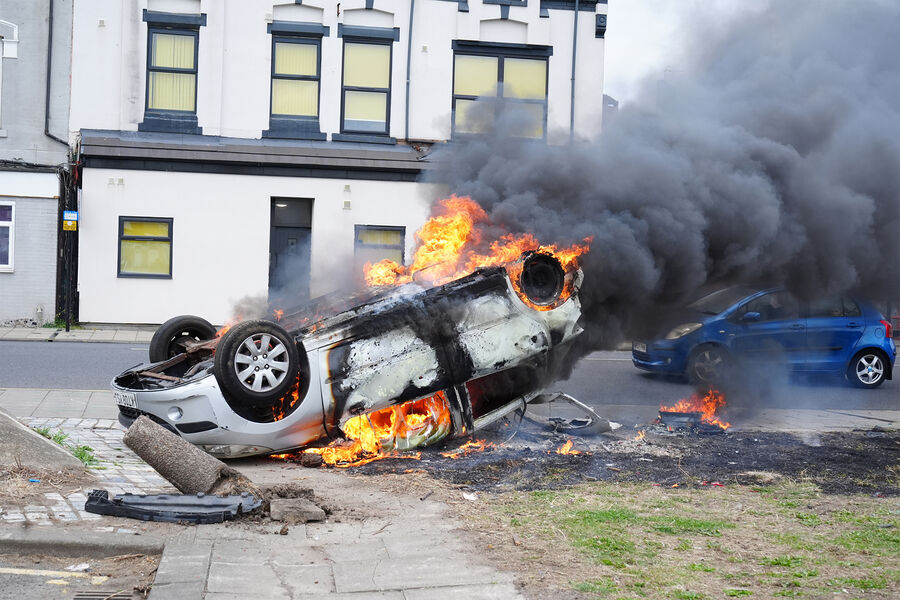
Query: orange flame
(450,246)
(278,313)
(707,405)
(567,448)
(382,433)
(641,435)
(469,447)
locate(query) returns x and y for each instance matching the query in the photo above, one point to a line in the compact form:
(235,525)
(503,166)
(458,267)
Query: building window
(172,71)
(145,247)
(499,77)
(376,242)
(366,94)
(294,108)
(172,48)
(7,236)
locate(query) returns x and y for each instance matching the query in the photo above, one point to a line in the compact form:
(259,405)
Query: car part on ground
(172,508)
(171,338)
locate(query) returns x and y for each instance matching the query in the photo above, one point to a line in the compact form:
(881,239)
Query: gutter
(412,8)
(574,54)
(47,94)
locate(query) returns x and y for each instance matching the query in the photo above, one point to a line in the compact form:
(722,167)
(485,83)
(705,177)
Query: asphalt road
(600,379)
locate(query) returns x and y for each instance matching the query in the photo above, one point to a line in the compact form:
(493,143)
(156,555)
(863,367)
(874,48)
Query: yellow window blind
(145,229)
(295,97)
(367,65)
(145,257)
(475,76)
(524,78)
(296,59)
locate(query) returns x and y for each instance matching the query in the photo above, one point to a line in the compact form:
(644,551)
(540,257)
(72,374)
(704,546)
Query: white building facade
(249,148)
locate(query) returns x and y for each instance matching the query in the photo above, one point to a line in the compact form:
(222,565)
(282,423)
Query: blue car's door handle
(798,326)
(853,325)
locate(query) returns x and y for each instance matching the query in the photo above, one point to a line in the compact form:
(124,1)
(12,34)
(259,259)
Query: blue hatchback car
(740,325)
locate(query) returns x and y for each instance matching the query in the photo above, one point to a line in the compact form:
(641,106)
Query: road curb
(65,542)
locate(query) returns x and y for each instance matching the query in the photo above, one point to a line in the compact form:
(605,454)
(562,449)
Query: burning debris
(698,412)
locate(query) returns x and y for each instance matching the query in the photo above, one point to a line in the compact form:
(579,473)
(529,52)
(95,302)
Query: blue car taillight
(887,328)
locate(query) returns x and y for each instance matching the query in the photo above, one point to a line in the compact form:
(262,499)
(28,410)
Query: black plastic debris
(172,508)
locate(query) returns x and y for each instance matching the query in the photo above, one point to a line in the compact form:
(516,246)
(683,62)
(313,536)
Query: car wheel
(256,362)
(866,370)
(170,338)
(707,364)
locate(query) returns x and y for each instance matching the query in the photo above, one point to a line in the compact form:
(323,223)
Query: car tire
(707,364)
(867,369)
(169,338)
(256,362)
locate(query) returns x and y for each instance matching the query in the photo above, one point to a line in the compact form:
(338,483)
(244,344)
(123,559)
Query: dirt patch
(21,485)
(838,463)
(129,573)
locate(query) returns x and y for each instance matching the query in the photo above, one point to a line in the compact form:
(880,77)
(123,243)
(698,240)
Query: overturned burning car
(483,345)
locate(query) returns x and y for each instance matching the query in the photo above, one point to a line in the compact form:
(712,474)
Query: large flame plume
(707,405)
(451,245)
(382,433)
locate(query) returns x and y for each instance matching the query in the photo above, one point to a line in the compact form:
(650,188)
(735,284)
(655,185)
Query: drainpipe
(49,63)
(574,54)
(412,7)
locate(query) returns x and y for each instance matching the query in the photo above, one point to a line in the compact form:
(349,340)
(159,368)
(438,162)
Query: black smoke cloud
(772,157)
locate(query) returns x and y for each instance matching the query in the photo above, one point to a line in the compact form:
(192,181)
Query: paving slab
(499,591)
(413,572)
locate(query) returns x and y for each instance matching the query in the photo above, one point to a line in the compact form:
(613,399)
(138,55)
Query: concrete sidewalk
(124,335)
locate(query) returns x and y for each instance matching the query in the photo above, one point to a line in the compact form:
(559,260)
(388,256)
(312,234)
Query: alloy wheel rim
(707,365)
(869,369)
(260,362)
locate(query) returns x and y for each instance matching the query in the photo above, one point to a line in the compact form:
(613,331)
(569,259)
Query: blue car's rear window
(716,302)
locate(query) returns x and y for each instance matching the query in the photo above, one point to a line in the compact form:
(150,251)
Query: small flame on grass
(641,435)
(469,447)
(567,448)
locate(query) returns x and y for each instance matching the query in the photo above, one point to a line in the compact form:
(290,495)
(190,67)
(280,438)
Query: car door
(834,325)
(778,334)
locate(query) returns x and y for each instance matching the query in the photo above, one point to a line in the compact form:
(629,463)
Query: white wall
(221,237)
(108,78)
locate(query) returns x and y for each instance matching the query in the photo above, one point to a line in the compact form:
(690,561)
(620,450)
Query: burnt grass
(838,463)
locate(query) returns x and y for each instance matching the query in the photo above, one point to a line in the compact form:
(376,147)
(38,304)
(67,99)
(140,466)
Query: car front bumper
(198,412)
(649,357)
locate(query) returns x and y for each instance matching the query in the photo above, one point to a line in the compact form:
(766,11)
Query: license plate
(639,347)
(125,399)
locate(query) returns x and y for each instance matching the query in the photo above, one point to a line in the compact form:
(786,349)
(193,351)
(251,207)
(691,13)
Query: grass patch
(621,540)
(782,561)
(878,583)
(83,453)
(602,587)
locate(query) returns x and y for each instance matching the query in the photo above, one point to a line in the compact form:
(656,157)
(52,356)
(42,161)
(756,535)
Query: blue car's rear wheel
(707,364)
(867,369)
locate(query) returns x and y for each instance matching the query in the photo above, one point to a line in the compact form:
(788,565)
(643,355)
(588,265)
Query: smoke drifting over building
(774,157)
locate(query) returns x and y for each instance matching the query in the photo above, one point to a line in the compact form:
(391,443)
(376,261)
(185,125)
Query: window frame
(501,53)
(296,126)
(368,227)
(389,42)
(10,267)
(156,29)
(143,238)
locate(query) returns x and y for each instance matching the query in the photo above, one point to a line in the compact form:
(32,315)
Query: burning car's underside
(475,348)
